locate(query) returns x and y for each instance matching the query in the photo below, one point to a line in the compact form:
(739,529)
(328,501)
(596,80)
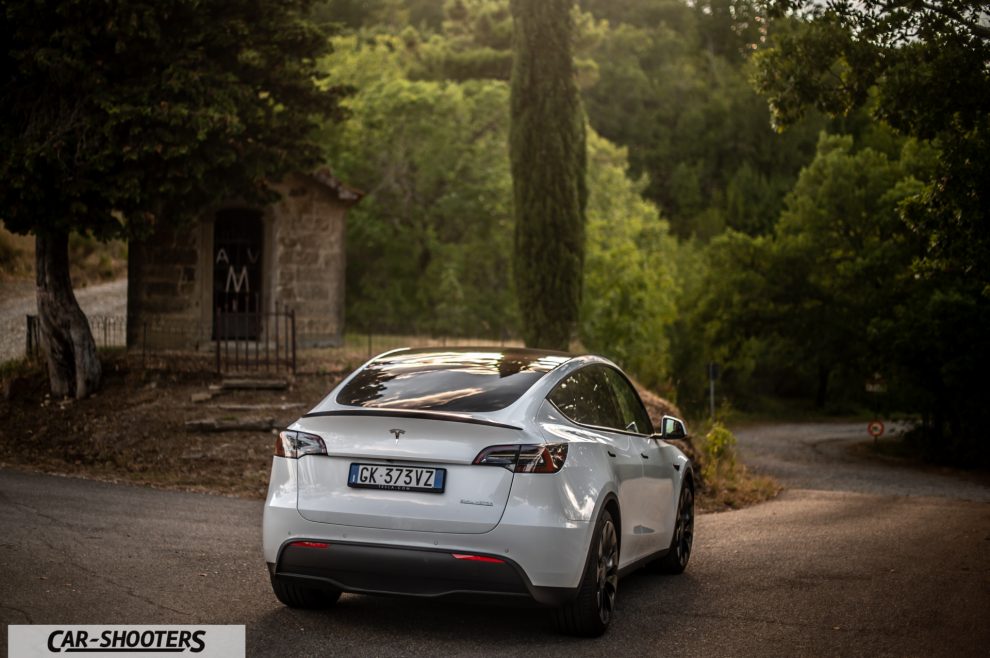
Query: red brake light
(477,558)
(530,458)
(310,544)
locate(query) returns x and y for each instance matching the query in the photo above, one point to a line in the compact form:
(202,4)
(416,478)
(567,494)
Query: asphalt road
(854,559)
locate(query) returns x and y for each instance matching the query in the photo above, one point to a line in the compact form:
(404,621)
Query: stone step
(228,425)
(283,406)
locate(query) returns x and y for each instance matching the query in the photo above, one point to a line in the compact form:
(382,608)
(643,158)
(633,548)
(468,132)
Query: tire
(590,612)
(679,552)
(298,596)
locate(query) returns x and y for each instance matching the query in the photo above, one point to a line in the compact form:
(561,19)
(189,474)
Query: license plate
(397,478)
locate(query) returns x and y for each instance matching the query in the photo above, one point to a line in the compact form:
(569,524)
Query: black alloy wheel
(590,612)
(607,571)
(684,534)
(676,559)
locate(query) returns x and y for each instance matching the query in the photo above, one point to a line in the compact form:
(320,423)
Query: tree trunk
(66,340)
(548,158)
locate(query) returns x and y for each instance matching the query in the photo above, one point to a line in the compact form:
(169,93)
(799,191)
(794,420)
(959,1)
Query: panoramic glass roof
(464,379)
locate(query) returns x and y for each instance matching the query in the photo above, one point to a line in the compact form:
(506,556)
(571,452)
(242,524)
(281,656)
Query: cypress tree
(547,148)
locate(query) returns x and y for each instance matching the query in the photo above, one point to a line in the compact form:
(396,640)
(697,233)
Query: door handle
(644,455)
(610,453)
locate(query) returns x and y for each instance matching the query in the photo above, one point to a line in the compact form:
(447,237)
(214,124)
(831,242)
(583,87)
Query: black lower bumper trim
(373,569)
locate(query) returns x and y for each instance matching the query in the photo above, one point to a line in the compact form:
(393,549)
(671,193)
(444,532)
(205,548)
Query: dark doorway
(237,264)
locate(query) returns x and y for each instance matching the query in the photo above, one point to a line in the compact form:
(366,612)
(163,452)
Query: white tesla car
(481,471)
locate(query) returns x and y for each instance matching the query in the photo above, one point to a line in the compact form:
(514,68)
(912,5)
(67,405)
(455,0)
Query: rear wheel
(298,596)
(676,559)
(590,613)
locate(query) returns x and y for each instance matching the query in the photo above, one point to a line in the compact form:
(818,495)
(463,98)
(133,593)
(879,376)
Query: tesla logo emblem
(397,433)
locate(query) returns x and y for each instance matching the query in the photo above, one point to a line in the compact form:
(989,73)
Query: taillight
(293,444)
(530,458)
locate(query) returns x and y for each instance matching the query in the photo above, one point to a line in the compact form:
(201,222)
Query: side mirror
(672,428)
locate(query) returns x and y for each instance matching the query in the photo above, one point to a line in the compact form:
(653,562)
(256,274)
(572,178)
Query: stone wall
(163,304)
(309,249)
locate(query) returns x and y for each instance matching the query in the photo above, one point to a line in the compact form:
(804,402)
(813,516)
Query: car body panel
(542,522)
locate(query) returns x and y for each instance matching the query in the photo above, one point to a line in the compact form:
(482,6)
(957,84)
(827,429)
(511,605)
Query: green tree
(630,273)
(800,304)
(476,43)
(117,117)
(438,209)
(924,68)
(548,159)
(672,87)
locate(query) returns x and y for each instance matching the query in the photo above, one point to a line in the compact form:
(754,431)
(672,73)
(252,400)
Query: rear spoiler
(412,413)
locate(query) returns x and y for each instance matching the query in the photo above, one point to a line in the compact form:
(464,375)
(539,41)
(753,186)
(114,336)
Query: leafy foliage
(117,116)
(798,305)
(928,63)
(672,87)
(718,449)
(430,245)
(629,275)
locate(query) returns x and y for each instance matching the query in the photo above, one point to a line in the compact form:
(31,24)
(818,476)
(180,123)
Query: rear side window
(457,381)
(585,396)
(634,415)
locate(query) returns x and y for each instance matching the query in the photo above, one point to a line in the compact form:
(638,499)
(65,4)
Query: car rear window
(464,381)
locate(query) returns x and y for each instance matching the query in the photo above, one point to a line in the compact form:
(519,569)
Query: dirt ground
(134,429)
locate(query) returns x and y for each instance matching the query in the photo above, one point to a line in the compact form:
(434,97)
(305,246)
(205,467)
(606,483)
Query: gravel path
(818,456)
(17,299)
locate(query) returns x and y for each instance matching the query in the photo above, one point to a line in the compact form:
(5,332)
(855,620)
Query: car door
(586,398)
(656,489)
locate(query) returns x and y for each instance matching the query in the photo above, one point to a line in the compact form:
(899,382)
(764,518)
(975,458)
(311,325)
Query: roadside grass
(17,368)
(726,483)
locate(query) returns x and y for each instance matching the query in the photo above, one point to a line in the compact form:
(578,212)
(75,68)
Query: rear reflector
(310,544)
(477,558)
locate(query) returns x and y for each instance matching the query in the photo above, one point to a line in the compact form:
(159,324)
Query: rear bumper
(543,543)
(377,569)
(551,552)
